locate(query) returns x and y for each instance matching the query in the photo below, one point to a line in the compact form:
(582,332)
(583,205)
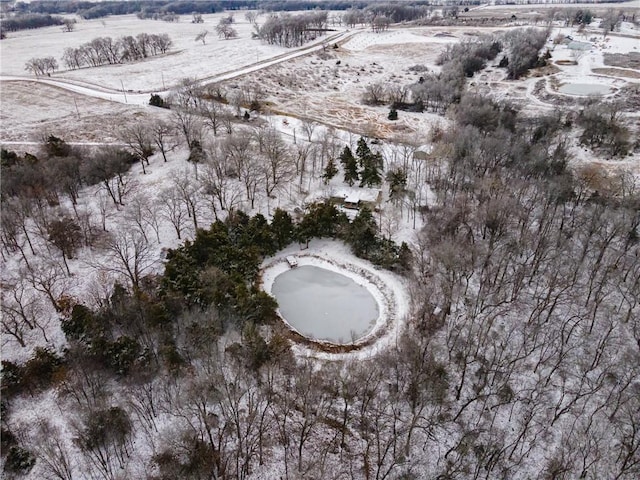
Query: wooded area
(521,354)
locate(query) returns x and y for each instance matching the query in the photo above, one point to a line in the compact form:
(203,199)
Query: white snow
(220,59)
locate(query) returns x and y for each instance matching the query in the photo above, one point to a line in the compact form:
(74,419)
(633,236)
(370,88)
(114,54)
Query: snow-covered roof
(579,45)
(355,195)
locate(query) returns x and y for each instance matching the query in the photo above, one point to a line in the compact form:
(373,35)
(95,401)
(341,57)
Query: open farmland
(186,58)
(31,110)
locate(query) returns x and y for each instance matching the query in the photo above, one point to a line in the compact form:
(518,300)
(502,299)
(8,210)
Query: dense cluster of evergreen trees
(366,166)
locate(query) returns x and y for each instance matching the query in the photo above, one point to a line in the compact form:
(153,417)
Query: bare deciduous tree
(278,165)
(213,113)
(138,138)
(69,24)
(225,30)
(42,66)
(131,256)
(223,192)
(53,453)
(171,208)
(163,136)
(21,311)
(375,94)
(189,191)
(49,278)
(202,36)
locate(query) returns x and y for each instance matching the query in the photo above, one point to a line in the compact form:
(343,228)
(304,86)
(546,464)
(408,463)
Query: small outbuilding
(292,261)
(582,46)
(356,198)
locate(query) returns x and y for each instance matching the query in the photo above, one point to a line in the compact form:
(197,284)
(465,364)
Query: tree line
(293,30)
(105,50)
(88,9)
(28,21)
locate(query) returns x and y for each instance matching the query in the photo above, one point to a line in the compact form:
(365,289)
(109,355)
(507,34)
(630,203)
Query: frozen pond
(325,305)
(584,89)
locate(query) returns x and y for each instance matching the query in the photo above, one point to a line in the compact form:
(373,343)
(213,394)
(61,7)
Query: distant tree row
(105,50)
(293,31)
(28,21)
(147,13)
(373,14)
(88,9)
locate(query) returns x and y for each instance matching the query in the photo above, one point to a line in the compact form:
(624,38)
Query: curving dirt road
(142,97)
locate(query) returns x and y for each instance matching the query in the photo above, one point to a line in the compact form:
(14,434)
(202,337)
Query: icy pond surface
(324,305)
(584,89)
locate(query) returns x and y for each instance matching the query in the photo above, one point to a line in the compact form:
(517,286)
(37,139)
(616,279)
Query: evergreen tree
(397,179)
(56,147)
(259,233)
(350,166)
(330,171)
(322,220)
(371,172)
(361,234)
(282,227)
(157,101)
(362,151)
(404,257)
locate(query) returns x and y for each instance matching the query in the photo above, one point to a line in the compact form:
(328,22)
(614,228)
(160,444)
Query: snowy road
(139,97)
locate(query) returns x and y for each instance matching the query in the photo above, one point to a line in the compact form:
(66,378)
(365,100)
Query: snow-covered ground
(312,87)
(186,58)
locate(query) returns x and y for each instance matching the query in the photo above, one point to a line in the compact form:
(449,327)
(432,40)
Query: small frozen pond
(584,89)
(325,305)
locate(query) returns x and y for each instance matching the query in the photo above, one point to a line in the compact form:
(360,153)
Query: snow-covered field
(186,58)
(325,86)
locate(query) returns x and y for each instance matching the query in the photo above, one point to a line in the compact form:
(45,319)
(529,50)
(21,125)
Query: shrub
(19,460)
(157,101)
